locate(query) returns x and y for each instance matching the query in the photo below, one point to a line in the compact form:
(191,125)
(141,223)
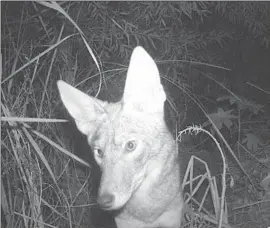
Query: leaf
(252,141)
(265,183)
(221,118)
(230,98)
(242,103)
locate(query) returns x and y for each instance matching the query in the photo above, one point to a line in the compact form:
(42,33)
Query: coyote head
(125,137)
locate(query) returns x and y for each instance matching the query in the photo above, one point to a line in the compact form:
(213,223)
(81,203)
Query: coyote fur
(132,145)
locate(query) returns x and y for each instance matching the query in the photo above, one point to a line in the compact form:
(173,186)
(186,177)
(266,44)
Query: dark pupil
(99,152)
(130,145)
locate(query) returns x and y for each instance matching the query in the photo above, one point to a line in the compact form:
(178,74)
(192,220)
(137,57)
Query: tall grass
(44,182)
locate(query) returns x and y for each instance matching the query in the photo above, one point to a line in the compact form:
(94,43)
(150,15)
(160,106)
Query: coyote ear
(84,109)
(143,89)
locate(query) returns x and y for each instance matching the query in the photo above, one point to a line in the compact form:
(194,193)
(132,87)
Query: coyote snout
(136,153)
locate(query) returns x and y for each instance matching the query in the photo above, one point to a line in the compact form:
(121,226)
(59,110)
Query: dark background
(214,60)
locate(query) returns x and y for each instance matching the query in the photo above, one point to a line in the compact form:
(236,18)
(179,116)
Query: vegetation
(214,62)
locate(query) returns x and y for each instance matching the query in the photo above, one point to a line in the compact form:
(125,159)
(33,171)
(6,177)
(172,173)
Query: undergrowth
(48,177)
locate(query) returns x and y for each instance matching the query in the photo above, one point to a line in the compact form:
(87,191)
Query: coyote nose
(106,200)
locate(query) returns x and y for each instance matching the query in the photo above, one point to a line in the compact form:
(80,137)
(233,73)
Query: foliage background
(212,56)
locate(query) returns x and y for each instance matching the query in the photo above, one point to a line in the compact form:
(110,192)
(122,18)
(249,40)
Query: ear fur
(143,90)
(86,110)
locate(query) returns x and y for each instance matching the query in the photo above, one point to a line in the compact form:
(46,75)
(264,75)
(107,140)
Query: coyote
(132,145)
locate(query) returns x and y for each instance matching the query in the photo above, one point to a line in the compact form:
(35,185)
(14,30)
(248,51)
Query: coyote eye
(131,145)
(98,152)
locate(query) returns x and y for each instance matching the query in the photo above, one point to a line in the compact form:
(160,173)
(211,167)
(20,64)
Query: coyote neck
(160,189)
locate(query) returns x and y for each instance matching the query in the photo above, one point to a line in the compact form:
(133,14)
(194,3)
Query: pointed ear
(143,90)
(86,110)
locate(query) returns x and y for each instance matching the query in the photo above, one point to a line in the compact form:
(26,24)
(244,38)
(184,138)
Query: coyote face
(123,149)
(132,145)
